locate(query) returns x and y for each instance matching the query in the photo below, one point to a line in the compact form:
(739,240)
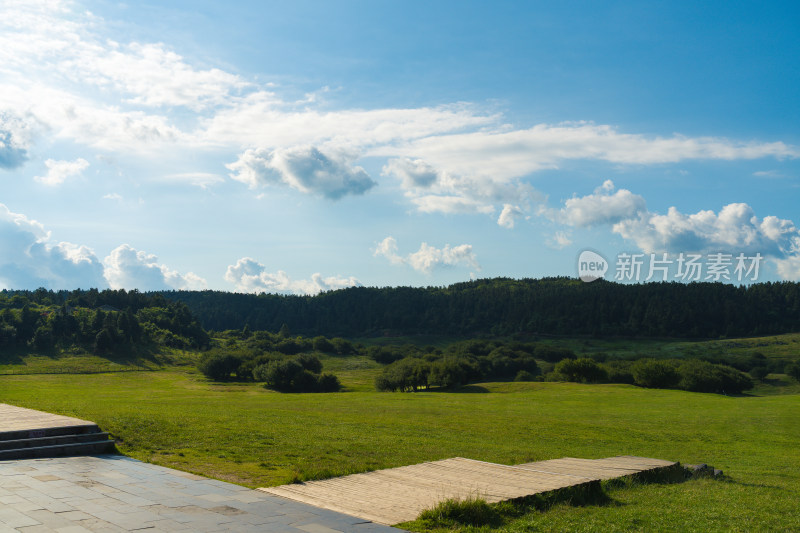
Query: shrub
(552,354)
(409,374)
(279,375)
(619,372)
(450,372)
(289,347)
(310,362)
(452,512)
(304,381)
(655,374)
(701,376)
(321,344)
(759,372)
(290,375)
(218,366)
(793,370)
(343,346)
(384,355)
(582,370)
(524,375)
(329,383)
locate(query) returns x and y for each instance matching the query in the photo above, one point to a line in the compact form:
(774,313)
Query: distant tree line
(101,322)
(502,306)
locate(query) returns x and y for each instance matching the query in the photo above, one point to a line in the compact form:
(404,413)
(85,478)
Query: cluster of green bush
(282,362)
(688,374)
(280,372)
(283,342)
(453,369)
(299,374)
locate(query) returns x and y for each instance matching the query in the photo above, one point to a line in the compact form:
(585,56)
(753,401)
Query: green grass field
(248,435)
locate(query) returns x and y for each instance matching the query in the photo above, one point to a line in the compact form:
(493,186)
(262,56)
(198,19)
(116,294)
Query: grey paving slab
(111,493)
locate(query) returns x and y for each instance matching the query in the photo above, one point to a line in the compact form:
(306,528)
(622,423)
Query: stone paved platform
(114,493)
(13,418)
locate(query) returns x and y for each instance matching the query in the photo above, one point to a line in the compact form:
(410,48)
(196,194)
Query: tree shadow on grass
(461,389)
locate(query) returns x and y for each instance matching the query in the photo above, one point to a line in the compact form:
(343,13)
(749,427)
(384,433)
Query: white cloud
(303,168)
(113,196)
(411,172)
(450,204)
(559,240)
(769,174)
(603,207)
(435,191)
(59,171)
(428,257)
(735,228)
(248,275)
(128,268)
(60,70)
(28,259)
(198,179)
(507,155)
(388,249)
(15,137)
(508,217)
(151,74)
(789,268)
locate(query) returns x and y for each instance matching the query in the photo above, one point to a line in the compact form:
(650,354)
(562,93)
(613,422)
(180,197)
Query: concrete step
(39,442)
(60,450)
(56,431)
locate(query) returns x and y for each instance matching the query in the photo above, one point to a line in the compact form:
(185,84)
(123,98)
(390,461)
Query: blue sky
(303,146)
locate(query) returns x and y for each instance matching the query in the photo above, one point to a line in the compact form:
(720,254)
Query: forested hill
(560,306)
(101,322)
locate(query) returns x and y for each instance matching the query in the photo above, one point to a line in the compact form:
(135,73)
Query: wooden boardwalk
(399,494)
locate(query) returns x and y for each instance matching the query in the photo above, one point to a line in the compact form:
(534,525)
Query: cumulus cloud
(436,191)
(789,268)
(11,155)
(735,228)
(59,171)
(15,137)
(559,240)
(427,258)
(508,217)
(248,275)
(605,206)
(411,172)
(128,268)
(28,259)
(303,168)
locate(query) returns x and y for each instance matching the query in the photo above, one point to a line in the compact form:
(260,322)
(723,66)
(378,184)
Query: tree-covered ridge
(101,322)
(502,306)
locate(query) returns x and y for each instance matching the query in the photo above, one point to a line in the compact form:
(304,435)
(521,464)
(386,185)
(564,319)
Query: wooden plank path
(608,468)
(399,494)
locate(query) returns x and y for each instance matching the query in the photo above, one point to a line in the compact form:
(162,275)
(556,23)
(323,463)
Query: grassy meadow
(240,432)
